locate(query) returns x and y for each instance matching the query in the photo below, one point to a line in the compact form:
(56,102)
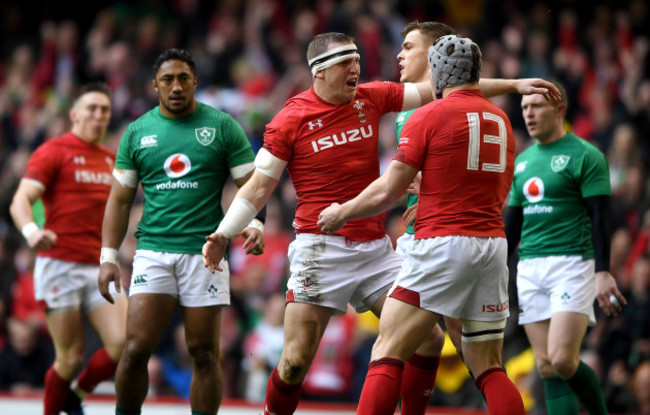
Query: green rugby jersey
(549,183)
(182,164)
(401,119)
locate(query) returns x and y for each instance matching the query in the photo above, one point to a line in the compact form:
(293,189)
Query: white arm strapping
(269,165)
(240,213)
(108,255)
(411,97)
(242,170)
(34,182)
(28,229)
(127,178)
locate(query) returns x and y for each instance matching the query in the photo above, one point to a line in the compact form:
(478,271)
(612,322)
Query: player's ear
(154,84)
(73,114)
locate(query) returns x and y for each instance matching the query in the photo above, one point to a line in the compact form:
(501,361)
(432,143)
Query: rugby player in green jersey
(182,153)
(558,209)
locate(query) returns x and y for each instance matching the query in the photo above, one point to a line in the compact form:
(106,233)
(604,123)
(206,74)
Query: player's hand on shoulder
(108,272)
(610,299)
(214,249)
(254,244)
(42,239)
(328,220)
(530,86)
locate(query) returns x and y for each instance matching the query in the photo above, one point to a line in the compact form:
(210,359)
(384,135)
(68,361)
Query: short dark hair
(432,30)
(92,87)
(173,54)
(477,64)
(320,42)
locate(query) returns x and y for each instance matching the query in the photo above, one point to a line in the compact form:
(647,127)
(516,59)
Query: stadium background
(250,59)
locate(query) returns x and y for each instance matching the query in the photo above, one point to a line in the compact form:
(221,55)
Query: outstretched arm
(525,86)
(254,231)
(488,86)
(250,198)
(379,196)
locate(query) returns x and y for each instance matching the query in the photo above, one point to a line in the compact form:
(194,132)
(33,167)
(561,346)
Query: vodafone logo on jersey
(177,165)
(534,189)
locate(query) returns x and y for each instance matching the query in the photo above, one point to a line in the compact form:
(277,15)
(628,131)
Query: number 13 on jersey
(475,139)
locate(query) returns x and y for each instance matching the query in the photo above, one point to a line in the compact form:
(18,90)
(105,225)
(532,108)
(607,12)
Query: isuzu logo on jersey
(205,135)
(95,177)
(341,138)
(534,189)
(177,165)
(559,162)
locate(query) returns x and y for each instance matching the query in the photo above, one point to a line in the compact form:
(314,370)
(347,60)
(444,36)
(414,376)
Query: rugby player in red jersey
(72,175)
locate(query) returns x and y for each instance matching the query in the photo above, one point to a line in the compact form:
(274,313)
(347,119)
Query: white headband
(332,57)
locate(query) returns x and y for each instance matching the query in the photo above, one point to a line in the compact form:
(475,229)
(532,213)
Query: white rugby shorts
(67,285)
(180,275)
(456,276)
(404,244)
(552,284)
(332,271)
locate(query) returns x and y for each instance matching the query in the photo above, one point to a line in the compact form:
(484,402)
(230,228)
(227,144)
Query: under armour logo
(428,392)
(318,123)
(79,160)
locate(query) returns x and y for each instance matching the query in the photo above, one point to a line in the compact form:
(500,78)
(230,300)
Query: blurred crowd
(250,57)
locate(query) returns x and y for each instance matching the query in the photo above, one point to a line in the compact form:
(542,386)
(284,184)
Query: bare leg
(202,327)
(147,317)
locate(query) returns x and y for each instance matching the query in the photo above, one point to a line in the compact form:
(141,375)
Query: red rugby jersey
(464,146)
(77,178)
(332,152)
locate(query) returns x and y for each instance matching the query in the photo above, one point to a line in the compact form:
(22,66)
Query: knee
(204,356)
(434,343)
(545,368)
(564,363)
(135,354)
(115,349)
(70,362)
(293,366)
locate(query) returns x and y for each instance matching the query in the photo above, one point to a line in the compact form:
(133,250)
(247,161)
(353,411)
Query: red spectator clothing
(77,180)
(274,260)
(331,372)
(24,305)
(332,152)
(463,144)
